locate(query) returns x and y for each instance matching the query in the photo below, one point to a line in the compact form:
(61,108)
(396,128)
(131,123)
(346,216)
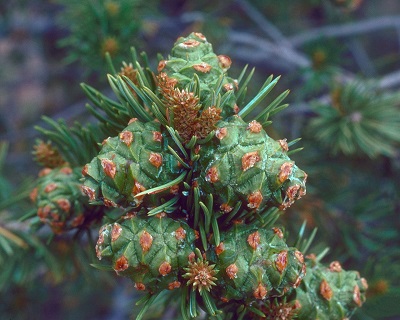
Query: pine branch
(345,30)
(266,47)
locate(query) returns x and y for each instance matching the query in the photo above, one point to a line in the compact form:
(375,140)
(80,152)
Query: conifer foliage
(191,187)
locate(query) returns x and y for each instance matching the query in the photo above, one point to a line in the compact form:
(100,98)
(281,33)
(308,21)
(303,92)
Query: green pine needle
(266,88)
(359,120)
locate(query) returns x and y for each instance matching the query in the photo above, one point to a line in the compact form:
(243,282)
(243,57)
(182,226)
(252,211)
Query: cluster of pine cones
(197,182)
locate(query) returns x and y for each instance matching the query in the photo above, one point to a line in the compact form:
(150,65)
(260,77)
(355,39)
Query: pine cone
(242,163)
(136,160)
(255,264)
(194,55)
(60,201)
(329,292)
(152,252)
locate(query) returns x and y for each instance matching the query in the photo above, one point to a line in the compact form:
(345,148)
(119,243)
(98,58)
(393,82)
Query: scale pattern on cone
(131,163)
(329,292)
(59,199)
(151,252)
(242,163)
(256,264)
(194,55)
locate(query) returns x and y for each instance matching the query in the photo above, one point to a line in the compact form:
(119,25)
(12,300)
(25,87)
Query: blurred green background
(339,58)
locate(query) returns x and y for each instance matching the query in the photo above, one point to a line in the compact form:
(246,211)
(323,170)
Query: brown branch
(346,30)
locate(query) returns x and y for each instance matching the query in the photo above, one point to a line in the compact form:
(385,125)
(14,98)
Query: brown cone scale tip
(109,203)
(224,62)
(260,292)
(89,192)
(250,159)
(132,120)
(146,240)
(64,204)
(254,127)
(299,256)
(221,133)
(254,239)
(116,232)
(226,208)
(137,188)
(278,232)
(281,261)
(109,168)
(335,266)
(212,175)
(357,296)
(180,233)
(220,248)
(50,187)
(189,44)
(140,286)
(285,171)
(126,137)
(174,285)
(284,145)
(228,87)
(325,290)
(161,65)
(254,200)
(164,268)
(33,194)
(231,271)
(202,67)
(44,172)
(121,264)
(157,136)
(156,159)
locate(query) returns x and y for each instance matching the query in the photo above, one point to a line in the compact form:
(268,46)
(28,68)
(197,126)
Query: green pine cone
(152,251)
(59,199)
(242,163)
(194,55)
(255,264)
(329,293)
(136,160)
